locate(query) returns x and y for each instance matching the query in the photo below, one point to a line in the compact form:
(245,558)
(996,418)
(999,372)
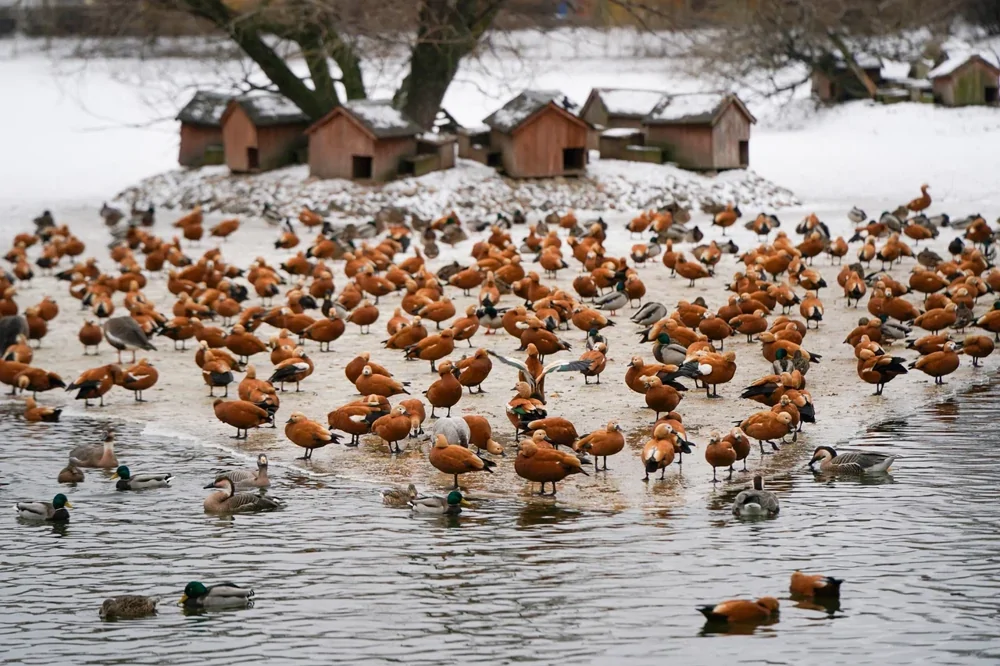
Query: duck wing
(859,461)
(564,366)
(34,510)
(250,502)
(514,363)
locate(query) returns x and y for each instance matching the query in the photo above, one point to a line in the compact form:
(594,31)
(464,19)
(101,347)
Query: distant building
(201,129)
(262,132)
(835,82)
(608,108)
(708,131)
(369,140)
(535,136)
(965,80)
(619,107)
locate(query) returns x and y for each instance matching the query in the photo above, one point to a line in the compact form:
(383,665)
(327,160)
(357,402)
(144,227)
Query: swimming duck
(127,607)
(450,505)
(245,479)
(399,497)
(756,502)
(850,462)
(53,512)
(226,500)
(741,610)
(126,481)
(814,585)
(70,474)
(96,455)
(197,595)
(34,413)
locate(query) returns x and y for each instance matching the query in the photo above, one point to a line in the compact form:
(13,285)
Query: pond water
(341,578)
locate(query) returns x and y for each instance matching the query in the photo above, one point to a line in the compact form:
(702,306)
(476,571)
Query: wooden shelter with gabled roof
(371,141)
(966,80)
(536,136)
(201,129)
(709,131)
(262,132)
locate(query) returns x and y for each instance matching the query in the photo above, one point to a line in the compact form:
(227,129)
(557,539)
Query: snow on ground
(471,187)
(85,131)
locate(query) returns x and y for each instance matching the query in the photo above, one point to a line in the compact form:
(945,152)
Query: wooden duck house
(708,131)
(262,132)
(535,136)
(201,129)
(369,140)
(965,80)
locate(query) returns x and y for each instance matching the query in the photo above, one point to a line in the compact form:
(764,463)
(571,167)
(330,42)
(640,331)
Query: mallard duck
(399,496)
(126,481)
(741,610)
(450,505)
(245,479)
(614,301)
(893,330)
(227,501)
(128,607)
(70,474)
(595,338)
(667,351)
(756,501)
(810,585)
(850,462)
(649,314)
(54,511)
(197,595)
(782,363)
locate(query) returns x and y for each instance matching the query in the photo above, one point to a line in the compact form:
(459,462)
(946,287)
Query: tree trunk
(852,64)
(448,32)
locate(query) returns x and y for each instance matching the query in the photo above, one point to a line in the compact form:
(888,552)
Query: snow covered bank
(470,187)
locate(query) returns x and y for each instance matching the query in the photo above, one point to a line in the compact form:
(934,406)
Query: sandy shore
(180,406)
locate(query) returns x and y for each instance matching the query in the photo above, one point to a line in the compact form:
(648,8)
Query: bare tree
(786,41)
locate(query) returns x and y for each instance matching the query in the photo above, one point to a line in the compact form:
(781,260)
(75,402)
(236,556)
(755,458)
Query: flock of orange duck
(386,270)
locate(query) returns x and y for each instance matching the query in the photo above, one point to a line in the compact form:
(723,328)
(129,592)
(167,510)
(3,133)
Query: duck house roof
(205,108)
(268,110)
(694,109)
(378,117)
(514,113)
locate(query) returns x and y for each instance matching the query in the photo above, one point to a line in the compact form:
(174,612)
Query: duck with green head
(128,481)
(781,362)
(53,512)
(199,595)
(667,351)
(450,505)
